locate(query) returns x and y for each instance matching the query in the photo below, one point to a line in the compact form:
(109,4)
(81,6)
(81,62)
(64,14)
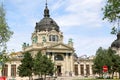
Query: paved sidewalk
(70,78)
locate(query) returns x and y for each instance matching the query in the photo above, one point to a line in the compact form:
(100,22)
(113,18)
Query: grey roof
(46,23)
(116,43)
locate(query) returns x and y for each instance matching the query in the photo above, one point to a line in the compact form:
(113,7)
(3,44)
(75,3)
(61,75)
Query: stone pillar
(78,69)
(9,70)
(85,69)
(17,70)
(66,63)
(91,73)
(72,65)
(53,55)
(0,70)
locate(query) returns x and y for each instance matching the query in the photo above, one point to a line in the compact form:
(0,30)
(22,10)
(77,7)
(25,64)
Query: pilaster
(66,61)
(85,69)
(9,70)
(78,69)
(91,73)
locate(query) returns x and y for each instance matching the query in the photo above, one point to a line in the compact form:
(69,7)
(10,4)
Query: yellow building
(48,38)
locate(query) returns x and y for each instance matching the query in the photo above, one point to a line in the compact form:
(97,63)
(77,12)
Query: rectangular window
(50,38)
(56,38)
(87,69)
(5,70)
(53,38)
(13,70)
(76,69)
(82,69)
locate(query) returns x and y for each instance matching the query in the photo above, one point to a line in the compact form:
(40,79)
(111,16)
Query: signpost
(105,70)
(2,78)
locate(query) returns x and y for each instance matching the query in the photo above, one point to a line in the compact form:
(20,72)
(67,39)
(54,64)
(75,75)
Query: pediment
(61,46)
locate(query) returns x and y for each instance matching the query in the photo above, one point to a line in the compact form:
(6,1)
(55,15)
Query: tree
(103,57)
(26,67)
(48,66)
(5,32)
(111,12)
(43,65)
(99,61)
(116,65)
(112,57)
(106,57)
(38,61)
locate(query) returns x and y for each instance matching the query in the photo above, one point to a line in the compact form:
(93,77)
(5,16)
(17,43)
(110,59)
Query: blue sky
(80,20)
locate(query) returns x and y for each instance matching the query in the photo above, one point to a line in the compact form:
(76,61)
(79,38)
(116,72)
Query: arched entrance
(59,70)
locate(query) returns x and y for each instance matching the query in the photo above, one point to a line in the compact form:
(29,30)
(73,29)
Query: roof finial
(46,3)
(46,11)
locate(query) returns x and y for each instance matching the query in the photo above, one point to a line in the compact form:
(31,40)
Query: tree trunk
(30,78)
(119,75)
(112,74)
(45,77)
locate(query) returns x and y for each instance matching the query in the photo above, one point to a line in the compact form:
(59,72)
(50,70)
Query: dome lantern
(46,23)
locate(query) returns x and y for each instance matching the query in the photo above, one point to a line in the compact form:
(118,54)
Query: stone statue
(70,40)
(24,45)
(35,39)
(44,39)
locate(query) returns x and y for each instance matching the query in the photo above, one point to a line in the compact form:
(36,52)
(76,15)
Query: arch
(59,57)
(53,37)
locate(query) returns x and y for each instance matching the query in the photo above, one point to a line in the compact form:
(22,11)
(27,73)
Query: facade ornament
(44,39)
(35,39)
(24,45)
(70,40)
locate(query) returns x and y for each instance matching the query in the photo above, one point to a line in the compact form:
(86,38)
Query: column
(84,69)
(53,55)
(66,62)
(9,70)
(91,73)
(17,65)
(72,65)
(78,69)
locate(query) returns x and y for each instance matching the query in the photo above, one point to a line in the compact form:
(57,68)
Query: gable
(61,46)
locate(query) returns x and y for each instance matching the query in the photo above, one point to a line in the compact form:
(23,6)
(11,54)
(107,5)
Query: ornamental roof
(46,23)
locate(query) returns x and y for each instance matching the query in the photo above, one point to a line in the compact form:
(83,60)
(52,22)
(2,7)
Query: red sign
(105,68)
(2,78)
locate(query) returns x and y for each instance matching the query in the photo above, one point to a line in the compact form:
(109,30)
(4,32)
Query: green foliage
(26,67)
(114,31)
(38,60)
(5,35)
(99,61)
(111,12)
(48,66)
(104,57)
(39,65)
(43,65)
(5,32)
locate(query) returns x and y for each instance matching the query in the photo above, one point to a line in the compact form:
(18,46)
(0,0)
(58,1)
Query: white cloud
(81,13)
(88,45)
(23,14)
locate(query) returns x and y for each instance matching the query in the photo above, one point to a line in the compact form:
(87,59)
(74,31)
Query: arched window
(59,57)
(53,38)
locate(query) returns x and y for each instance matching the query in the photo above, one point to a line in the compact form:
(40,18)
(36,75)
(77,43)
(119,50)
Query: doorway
(59,70)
